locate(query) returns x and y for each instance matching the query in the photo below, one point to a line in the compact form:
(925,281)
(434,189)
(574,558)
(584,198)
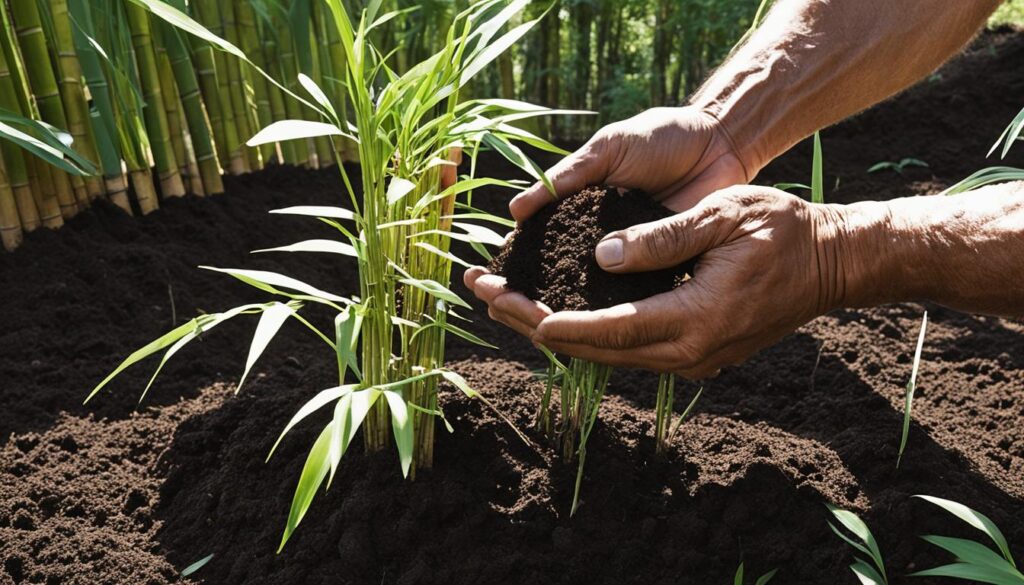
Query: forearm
(815,62)
(963,251)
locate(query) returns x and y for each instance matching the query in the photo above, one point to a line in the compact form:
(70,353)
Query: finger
(584,167)
(470,276)
(664,243)
(515,324)
(721,174)
(515,306)
(625,326)
(665,357)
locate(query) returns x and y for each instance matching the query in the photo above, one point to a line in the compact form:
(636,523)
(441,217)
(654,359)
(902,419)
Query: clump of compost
(550,257)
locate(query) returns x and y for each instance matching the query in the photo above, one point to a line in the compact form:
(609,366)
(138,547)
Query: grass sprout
(738,578)
(888,165)
(664,429)
(974,561)
(911,387)
(857,534)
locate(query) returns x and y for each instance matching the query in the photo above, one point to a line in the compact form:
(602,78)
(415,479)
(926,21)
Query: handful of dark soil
(550,257)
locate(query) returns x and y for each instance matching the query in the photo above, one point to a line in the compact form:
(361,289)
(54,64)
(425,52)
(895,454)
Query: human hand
(678,155)
(769,262)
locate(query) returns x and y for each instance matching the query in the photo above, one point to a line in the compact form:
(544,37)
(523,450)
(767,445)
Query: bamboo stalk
(12,156)
(241,90)
(293,109)
(29,30)
(251,46)
(103,121)
(154,114)
(209,14)
(192,108)
(286,150)
(10,222)
(172,111)
(72,92)
(205,65)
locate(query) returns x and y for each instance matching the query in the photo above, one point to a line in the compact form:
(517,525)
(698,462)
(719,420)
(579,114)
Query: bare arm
(815,62)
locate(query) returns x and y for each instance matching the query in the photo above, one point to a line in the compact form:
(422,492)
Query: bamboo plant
(389,339)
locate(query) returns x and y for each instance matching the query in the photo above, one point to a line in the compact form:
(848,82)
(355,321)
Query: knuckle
(662,242)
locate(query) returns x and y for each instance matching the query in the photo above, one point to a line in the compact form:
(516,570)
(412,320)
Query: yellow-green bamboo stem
(322,144)
(75,106)
(334,65)
(294,111)
(145,190)
(172,110)
(241,87)
(246,18)
(206,77)
(278,110)
(46,198)
(117,191)
(209,14)
(10,222)
(154,114)
(29,30)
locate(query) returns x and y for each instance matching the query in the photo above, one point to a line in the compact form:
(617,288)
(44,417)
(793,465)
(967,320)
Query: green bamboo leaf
(516,156)
(349,415)
(967,572)
(483,216)
(490,52)
(196,566)
(973,553)
(481,234)
(270,323)
(284,130)
(1010,135)
(737,579)
(984,177)
(399,188)
(324,246)
(50,149)
(268,281)
(858,528)
(911,387)
(317,211)
(460,383)
(317,94)
(313,474)
(884,165)
(867,574)
(976,520)
(347,325)
(764,579)
(322,399)
(436,290)
(439,252)
(402,425)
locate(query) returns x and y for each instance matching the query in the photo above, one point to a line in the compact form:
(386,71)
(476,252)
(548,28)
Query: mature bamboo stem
(206,79)
(73,95)
(12,155)
(172,111)
(277,103)
(192,106)
(241,87)
(103,121)
(29,30)
(209,15)
(246,18)
(154,114)
(293,109)
(10,223)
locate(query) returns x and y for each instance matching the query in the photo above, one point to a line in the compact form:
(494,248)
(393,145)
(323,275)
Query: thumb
(660,244)
(587,166)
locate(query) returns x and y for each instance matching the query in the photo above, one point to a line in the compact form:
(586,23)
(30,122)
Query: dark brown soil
(113,492)
(550,257)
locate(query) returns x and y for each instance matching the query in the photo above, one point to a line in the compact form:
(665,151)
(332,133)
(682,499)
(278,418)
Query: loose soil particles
(115,492)
(550,258)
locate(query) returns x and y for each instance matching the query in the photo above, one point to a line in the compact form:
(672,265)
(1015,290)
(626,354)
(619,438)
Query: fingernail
(609,253)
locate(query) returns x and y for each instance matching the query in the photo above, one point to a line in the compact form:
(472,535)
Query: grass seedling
(388,341)
(1009,136)
(817,186)
(888,165)
(974,561)
(738,578)
(911,387)
(861,539)
(664,429)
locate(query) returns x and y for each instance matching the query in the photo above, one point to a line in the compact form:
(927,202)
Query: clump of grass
(388,340)
(871,571)
(911,387)
(664,429)
(897,166)
(738,578)
(974,561)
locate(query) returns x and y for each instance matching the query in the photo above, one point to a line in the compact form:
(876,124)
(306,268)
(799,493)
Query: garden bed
(115,493)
